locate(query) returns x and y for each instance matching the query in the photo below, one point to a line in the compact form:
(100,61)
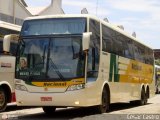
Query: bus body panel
(7,70)
(132,75)
(7,75)
(83,97)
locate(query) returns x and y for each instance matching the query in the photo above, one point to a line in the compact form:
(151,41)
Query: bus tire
(105,102)
(49,110)
(157,90)
(144,99)
(3,100)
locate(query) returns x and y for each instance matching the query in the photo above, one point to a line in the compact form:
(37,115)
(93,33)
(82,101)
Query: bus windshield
(55,58)
(1,46)
(54,26)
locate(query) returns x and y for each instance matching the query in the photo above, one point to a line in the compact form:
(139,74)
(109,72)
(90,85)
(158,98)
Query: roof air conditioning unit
(134,34)
(106,20)
(121,27)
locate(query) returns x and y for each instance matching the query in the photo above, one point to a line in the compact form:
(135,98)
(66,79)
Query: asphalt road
(118,111)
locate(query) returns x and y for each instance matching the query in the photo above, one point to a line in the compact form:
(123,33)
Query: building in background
(55,7)
(15,11)
(157,53)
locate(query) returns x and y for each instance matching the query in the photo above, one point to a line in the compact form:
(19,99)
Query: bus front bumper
(75,98)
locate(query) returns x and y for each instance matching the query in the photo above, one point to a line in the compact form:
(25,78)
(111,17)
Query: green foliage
(157,62)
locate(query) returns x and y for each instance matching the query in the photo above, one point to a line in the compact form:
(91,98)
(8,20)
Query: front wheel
(3,100)
(49,110)
(105,102)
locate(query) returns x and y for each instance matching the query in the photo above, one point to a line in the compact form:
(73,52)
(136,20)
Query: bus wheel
(49,110)
(105,101)
(3,100)
(143,100)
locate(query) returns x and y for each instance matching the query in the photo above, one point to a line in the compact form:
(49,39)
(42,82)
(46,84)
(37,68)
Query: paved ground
(118,111)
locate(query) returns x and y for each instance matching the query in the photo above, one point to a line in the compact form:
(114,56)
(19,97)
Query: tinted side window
(94,27)
(143,54)
(13,48)
(94,50)
(128,48)
(116,43)
(112,41)
(149,56)
(1,46)
(4,31)
(107,41)
(139,52)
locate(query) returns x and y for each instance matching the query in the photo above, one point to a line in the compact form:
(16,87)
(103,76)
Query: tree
(157,62)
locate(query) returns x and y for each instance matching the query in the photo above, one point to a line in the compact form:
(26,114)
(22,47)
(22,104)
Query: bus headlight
(75,87)
(20,87)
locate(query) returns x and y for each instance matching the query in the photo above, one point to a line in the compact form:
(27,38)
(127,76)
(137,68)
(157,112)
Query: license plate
(46,99)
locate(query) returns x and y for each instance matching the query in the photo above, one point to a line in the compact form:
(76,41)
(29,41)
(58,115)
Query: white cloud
(150,7)
(132,5)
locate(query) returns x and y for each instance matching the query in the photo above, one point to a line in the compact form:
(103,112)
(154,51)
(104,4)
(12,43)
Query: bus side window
(107,40)
(92,63)
(13,48)
(129,48)
(1,46)
(93,54)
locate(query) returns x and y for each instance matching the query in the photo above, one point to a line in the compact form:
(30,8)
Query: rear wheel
(3,100)
(144,99)
(105,101)
(157,89)
(49,109)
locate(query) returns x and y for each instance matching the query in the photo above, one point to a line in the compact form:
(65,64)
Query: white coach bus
(7,65)
(80,61)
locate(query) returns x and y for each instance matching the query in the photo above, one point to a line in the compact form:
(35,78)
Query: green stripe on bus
(113,71)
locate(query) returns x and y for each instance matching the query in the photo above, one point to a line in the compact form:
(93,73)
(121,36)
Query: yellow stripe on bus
(59,84)
(136,72)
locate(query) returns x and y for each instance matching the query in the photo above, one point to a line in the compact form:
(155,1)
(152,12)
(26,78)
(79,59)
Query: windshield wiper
(56,69)
(44,54)
(21,47)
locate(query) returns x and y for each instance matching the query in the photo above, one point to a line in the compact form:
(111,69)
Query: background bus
(7,65)
(79,60)
(157,78)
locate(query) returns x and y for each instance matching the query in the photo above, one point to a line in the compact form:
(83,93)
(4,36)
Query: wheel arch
(107,87)
(140,89)
(147,91)
(6,86)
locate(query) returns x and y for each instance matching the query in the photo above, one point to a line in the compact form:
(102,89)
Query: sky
(140,16)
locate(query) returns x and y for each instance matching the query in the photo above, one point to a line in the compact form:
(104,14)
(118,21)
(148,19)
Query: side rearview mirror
(86,40)
(7,40)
